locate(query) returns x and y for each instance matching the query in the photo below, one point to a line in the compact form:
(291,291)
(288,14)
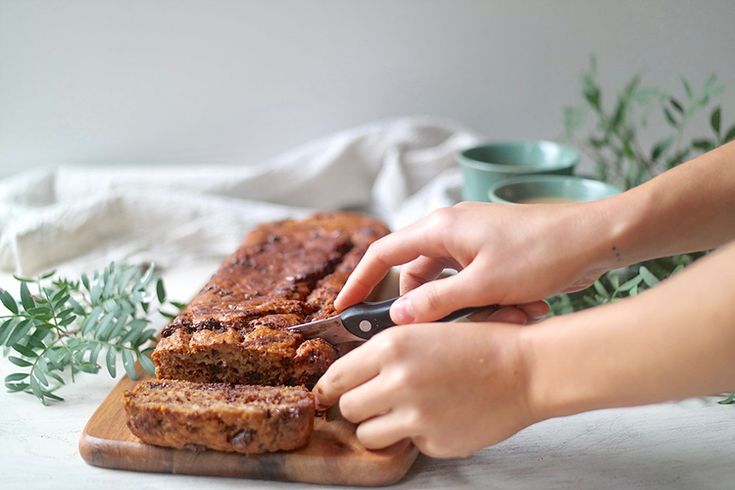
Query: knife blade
(361,322)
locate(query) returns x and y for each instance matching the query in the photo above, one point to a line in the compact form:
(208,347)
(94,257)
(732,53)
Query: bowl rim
(474,163)
(611,190)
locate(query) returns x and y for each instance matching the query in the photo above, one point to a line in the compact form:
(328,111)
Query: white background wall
(179,82)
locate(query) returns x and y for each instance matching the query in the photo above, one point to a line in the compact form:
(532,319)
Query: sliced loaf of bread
(234,418)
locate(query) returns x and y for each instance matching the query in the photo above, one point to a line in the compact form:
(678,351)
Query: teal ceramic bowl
(485,165)
(549,189)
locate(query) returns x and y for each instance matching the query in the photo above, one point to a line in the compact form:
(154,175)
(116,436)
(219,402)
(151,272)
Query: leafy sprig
(58,328)
(614,141)
(614,137)
(620,283)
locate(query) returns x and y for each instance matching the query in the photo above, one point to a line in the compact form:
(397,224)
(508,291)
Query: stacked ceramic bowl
(526,172)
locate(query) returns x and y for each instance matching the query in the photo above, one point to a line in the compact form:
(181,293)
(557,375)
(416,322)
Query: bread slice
(233,418)
(283,274)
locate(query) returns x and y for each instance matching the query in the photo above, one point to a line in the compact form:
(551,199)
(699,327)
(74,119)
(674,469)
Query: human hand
(504,255)
(518,314)
(451,393)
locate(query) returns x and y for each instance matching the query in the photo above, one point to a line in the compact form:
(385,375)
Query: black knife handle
(368,319)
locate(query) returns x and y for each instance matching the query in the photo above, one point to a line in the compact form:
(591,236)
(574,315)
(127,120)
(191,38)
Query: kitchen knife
(361,322)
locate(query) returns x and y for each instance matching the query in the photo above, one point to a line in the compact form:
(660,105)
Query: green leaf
(95,293)
(111,361)
(600,288)
(125,278)
(23,279)
(36,389)
(687,87)
(129,364)
(54,396)
(166,314)
(67,320)
(94,353)
(648,277)
(85,282)
(592,94)
(145,335)
(16,387)
(677,158)
(47,274)
(16,377)
(614,280)
(181,306)
(88,367)
(729,135)
(60,301)
(118,326)
(5,328)
(677,105)
(572,120)
(57,377)
(160,291)
(38,373)
(146,363)
(105,327)
(660,148)
(23,350)
(8,301)
(618,114)
(714,120)
(40,312)
(147,276)
(90,323)
(670,118)
(76,307)
(135,328)
(703,144)
(19,362)
(711,87)
(630,283)
(21,330)
(729,400)
(25,296)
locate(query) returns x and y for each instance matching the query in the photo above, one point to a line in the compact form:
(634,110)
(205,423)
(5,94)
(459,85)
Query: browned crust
(232,418)
(283,274)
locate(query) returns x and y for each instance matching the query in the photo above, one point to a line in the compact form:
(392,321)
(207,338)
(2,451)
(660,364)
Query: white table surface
(687,445)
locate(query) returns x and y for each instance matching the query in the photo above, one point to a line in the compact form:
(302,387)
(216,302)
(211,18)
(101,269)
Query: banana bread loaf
(233,418)
(283,274)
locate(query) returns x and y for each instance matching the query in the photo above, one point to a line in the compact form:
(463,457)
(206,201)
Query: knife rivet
(365,326)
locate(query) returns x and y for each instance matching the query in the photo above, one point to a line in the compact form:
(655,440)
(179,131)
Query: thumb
(437,299)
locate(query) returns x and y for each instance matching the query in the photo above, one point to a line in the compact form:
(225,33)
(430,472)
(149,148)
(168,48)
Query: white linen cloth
(82,217)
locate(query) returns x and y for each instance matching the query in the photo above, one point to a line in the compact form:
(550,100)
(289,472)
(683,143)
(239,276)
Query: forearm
(672,342)
(687,209)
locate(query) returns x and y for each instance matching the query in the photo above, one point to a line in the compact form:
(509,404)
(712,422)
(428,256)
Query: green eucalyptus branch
(63,327)
(612,139)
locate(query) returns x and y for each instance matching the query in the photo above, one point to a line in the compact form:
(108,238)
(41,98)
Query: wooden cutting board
(333,456)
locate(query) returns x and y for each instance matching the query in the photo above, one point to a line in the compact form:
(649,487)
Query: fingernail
(402,311)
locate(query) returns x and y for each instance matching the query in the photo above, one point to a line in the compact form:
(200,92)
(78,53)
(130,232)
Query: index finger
(395,249)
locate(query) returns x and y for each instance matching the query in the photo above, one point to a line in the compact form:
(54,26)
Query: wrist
(620,221)
(552,389)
